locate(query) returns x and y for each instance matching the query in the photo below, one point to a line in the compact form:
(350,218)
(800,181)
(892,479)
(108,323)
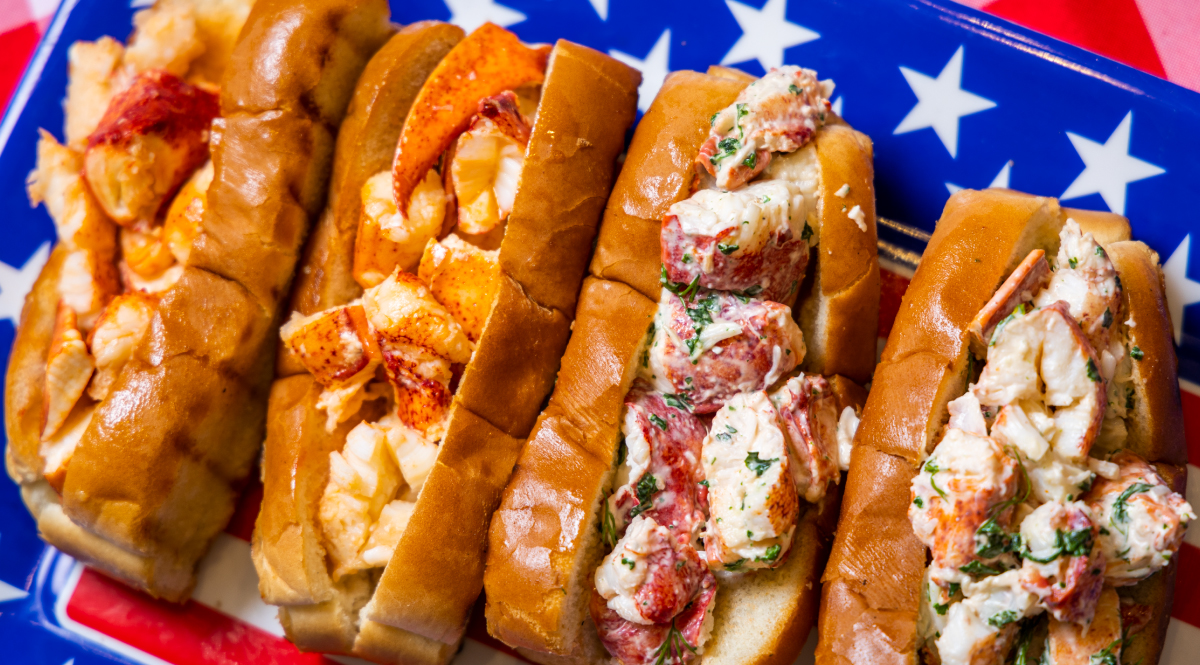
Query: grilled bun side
(423,598)
(839,304)
(145,495)
(26,377)
(1155,428)
(869,603)
(366,143)
(544,543)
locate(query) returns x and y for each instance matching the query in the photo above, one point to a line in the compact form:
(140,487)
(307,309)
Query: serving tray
(951,98)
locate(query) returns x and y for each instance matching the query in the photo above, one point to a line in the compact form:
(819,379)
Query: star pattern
(1181,289)
(16,282)
(654,68)
(601,7)
(1108,167)
(1001,179)
(766,33)
(941,102)
(470,14)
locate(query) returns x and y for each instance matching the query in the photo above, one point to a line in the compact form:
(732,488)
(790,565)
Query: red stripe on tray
(187,634)
(1191,423)
(1187,586)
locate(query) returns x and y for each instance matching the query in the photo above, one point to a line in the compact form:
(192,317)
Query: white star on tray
(766,33)
(1181,289)
(1001,179)
(654,68)
(16,282)
(1108,167)
(941,102)
(601,7)
(470,14)
(836,106)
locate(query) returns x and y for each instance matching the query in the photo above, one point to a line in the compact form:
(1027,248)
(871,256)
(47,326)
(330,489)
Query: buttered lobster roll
(428,323)
(689,313)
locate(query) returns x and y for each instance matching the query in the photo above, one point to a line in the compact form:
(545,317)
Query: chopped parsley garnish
(1120,509)
(662,424)
(931,467)
(979,569)
(991,540)
(736,565)
(713,120)
(608,526)
(770,555)
(1070,543)
(806,233)
(681,401)
(622,451)
(1109,656)
(751,291)
(1073,261)
(750,160)
(726,148)
(727,249)
(1003,618)
(1107,319)
(703,482)
(627,562)
(758,466)
(920,503)
(646,487)
(794,89)
(1092,372)
(1129,398)
(1136,353)
(1100,251)
(684,291)
(671,649)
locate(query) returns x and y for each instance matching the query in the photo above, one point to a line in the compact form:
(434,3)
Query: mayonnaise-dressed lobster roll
(428,322)
(1034,509)
(682,482)
(138,382)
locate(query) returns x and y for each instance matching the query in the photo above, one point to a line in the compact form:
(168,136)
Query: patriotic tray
(951,97)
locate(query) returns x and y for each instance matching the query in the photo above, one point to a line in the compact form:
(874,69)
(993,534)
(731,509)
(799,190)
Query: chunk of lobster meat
(464,279)
(753,506)
(165,37)
(779,112)
(661,474)
(343,399)
(144,253)
(86,284)
(413,451)
(715,344)
(69,367)
(1029,277)
(334,344)
(94,75)
(363,479)
(1064,564)
(981,628)
(651,575)
(751,240)
(121,325)
(181,226)
(490,61)
(1100,641)
(1087,281)
(675,643)
(402,310)
(386,533)
(386,239)
(487,162)
(57,449)
(1141,520)
(421,380)
(57,182)
(1044,357)
(966,483)
(966,414)
(151,138)
(808,411)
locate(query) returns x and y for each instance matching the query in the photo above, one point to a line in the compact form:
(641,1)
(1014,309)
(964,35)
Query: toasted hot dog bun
(418,610)
(158,470)
(544,543)
(870,599)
